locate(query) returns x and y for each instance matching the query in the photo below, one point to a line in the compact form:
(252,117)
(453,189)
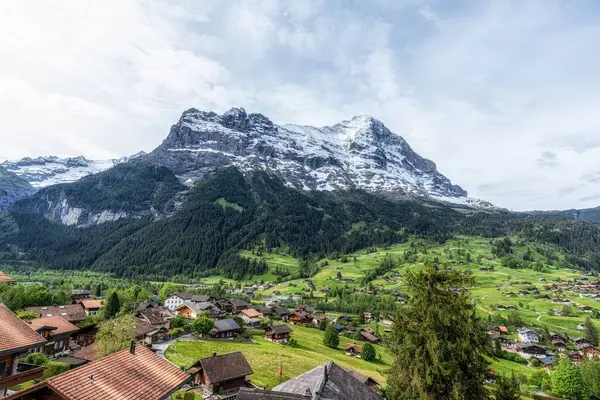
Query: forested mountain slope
(231,211)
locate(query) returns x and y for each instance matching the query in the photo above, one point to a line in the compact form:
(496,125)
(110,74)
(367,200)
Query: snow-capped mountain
(358,153)
(46,171)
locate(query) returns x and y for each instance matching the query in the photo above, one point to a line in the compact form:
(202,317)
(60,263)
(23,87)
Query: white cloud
(493,92)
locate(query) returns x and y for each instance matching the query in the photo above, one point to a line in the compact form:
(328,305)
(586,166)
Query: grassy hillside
(265,357)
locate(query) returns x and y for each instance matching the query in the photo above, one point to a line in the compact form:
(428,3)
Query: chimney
(132,347)
(214,353)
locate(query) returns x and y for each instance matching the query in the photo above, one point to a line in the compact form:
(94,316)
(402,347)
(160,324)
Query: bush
(331,338)
(535,362)
(202,325)
(54,368)
(177,332)
(368,352)
(179,322)
(36,359)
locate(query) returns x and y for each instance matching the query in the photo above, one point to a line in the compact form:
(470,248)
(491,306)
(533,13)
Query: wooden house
(225,329)
(221,374)
(17,339)
(353,350)
(57,332)
(73,313)
(239,305)
(278,333)
(368,337)
(251,317)
(92,307)
(299,318)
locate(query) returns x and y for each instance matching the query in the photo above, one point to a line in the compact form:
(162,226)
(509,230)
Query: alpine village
(240,257)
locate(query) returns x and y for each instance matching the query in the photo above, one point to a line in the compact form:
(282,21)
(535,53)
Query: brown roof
(4,278)
(142,327)
(122,375)
(157,315)
(91,304)
(251,313)
(70,312)
(356,347)
(279,329)
(369,337)
(61,325)
(87,353)
(225,367)
(16,334)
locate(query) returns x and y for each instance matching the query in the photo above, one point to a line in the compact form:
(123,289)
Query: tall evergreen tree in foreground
(507,388)
(437,341)
(591,332)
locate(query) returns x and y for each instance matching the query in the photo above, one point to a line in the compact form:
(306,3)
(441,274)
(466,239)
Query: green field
(266,357)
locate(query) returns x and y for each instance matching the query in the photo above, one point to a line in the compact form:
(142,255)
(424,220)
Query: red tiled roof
(122,375)
(70,312)
(4,278)
(87,353)
(15,333)
(91,303)
(61,325)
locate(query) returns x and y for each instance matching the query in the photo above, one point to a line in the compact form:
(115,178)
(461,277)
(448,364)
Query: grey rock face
(358,153)
(12,189)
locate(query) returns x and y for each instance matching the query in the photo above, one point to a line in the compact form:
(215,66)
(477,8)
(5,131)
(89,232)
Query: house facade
(221,374)
(92,308)
(173,301)
(225,329)
(528,336)
(278,333)
(17,339)
(57,331)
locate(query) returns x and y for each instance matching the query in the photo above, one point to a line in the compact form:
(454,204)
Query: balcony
(25,373)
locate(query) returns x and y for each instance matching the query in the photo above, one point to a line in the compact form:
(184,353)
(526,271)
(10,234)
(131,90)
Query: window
(2,367)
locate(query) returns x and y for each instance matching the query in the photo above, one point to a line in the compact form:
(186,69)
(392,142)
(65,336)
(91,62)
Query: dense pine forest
(229,212)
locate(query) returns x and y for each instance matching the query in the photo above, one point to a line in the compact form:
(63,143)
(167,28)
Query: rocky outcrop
(12,189)
(358,153)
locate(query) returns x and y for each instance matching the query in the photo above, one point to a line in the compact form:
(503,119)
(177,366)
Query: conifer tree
(437,340)
(567,380)
(331,338)
(507,388)
(591,332)
(113,306)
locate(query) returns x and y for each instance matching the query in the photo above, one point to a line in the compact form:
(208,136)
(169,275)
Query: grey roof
(260,394)
(329,381)
(239,303)
(226,325)
(199,308)
(200,299)
(183,295)
(281,328)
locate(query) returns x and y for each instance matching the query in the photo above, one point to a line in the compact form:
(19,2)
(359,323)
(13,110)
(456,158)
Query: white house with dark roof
(528,336)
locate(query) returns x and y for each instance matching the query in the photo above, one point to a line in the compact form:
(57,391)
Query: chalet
(502,340)
(4,278)
(72,312)
(367,337)
(282,313)
(223,375)
(338,328)
(176,299)
(343,319)
(528,336)
(585,308)
(266,312)
(225,329)
(17,339)
(278,333)
(193,310)
(300,317)
(134,373)
(147,333)
(318,319)
(92,307)
(528,350)
(583,343)
(498,330)
(353,350)
(557,337)
(367,317)
(239,305)
(546,362)
(575,357)
(368,330)
(350,328)
(224,305)
(79,294)
(591,352)
(57,331)
(197,298)
(251,317)
(86,335)
(329,381)
(305,308)
(159,317)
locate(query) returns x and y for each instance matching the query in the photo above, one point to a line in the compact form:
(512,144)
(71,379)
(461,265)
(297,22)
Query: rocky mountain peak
(357,153)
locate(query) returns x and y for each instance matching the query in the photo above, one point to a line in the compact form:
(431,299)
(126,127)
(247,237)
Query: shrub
(368,352)
(331,338)
(36,359)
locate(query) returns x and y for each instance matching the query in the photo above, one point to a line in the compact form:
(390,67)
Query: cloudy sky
(503,95)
